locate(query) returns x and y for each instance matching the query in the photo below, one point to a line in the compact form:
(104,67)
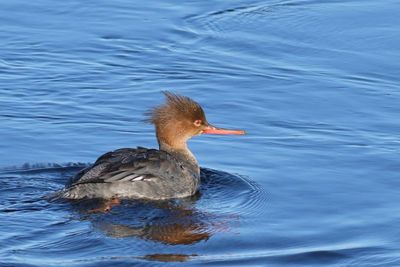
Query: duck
(169,172)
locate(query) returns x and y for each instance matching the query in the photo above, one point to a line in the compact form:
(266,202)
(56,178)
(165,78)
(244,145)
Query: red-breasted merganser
(141,173)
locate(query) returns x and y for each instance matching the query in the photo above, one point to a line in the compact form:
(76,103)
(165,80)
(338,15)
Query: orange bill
(214,130)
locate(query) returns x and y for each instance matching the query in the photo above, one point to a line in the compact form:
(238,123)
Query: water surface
(314,83)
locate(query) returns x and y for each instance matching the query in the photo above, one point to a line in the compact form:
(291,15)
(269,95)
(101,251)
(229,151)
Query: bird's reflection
(173,234)
(175,222)
(168,257)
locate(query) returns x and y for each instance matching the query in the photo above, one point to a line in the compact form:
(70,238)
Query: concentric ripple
(226,193)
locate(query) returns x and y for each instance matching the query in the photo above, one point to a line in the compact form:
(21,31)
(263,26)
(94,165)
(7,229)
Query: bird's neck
(175,143)
(181,152)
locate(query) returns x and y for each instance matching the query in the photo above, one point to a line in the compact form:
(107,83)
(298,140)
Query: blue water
(316,84)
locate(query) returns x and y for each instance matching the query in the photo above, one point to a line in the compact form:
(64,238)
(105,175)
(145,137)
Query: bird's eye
(197,123)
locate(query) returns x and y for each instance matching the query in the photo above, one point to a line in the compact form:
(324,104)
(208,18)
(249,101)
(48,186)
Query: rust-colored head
(180,118)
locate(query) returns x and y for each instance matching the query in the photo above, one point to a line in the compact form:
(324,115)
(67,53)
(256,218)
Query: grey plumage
(135,173)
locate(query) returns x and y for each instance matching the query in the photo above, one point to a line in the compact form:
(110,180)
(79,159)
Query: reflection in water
(169,257)
(175,222)
(174,234)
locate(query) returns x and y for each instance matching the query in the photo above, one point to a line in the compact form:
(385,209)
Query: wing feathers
(130,165)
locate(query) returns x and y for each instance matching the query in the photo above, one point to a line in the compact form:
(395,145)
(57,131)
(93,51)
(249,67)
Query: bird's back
(135,173)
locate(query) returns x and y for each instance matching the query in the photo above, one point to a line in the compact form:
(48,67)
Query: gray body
(139,173)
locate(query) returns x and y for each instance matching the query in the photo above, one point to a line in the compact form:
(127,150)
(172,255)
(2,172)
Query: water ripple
(229,193)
